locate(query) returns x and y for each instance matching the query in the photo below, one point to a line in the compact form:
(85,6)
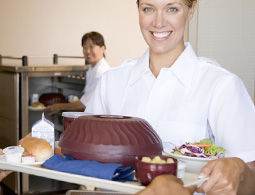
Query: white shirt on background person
(93,75)
(193,99)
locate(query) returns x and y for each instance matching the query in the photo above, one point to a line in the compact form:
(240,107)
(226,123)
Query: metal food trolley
(17,85)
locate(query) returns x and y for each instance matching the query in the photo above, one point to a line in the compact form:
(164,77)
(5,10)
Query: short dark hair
(96,38)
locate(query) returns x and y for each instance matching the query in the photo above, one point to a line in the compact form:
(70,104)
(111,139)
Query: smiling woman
(184,97)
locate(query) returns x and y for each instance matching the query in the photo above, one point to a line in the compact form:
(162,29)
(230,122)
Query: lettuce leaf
(206,141)
(215,150)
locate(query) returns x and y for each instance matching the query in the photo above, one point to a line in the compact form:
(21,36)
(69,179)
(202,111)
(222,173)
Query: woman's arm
(165,185)
(228,176)
(247,185)
(77,106)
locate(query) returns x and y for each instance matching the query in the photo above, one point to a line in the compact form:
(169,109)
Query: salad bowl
(193,164)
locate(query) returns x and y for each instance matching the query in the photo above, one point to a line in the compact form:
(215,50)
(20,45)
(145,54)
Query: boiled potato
(146,159)
(169,160)
(157,159)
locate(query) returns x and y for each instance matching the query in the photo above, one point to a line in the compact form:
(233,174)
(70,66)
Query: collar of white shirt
(94,69)
(183,68)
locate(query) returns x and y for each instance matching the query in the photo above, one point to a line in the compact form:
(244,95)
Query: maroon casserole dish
(52,98)
(110,139)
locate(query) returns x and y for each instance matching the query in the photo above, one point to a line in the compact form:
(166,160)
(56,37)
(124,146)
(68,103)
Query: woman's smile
(161,34)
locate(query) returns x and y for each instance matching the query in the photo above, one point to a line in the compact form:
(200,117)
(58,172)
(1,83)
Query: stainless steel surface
(17,84)
(52,68)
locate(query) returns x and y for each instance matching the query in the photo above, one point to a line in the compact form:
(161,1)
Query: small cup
(181,169)
(35,98)
(146,172)
(13,153)
(69,117)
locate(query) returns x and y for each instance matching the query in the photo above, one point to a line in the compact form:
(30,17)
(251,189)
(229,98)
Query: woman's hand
(165,185)
(3,173)
(227,176)
(53,109)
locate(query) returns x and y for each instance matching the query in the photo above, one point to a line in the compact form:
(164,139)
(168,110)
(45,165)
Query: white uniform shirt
(93,75)
(193,99)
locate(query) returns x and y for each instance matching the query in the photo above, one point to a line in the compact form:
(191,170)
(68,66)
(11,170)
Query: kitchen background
(223,30)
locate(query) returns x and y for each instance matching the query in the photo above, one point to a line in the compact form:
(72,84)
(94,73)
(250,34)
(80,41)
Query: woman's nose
(86,51)
(159,20)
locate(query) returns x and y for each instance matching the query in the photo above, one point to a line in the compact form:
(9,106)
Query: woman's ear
(102,49)
(192,10)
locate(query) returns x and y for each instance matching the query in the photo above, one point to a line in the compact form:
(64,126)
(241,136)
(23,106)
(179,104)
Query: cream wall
(40,28)
(225,31)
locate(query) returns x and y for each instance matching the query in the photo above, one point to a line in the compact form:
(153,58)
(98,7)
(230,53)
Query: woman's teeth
(161,35)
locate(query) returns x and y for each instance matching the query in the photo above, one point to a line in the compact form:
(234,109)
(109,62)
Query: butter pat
(28,159)
(44,129)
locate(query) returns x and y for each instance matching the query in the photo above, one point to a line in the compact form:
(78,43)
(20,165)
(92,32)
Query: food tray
(127,187)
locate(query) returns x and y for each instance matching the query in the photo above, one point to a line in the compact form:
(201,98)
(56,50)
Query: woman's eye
(148,9)
(172,9)
(88,47)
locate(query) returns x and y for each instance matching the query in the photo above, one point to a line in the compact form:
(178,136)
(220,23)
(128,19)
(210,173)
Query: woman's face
(162,23)
(92,53)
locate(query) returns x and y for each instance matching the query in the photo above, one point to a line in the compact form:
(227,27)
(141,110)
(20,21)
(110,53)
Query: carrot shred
(202,145)
(206,146)
(208,154)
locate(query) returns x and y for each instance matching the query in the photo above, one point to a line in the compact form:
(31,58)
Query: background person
(184,97)
(93,50)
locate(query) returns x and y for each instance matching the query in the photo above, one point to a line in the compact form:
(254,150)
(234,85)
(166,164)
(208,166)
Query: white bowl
(193,164)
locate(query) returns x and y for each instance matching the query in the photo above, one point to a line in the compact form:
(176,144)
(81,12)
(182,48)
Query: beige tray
(127,187)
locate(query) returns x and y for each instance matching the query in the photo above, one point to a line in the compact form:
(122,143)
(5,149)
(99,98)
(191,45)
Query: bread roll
(38,104)
(40,148)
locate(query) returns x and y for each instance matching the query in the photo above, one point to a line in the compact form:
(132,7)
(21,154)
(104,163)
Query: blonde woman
(184,97)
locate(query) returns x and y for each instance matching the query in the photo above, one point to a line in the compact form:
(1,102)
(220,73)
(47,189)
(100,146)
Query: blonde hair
(187,2)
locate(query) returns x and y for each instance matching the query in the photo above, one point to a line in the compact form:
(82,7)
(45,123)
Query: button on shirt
(93,75)
(193,99)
